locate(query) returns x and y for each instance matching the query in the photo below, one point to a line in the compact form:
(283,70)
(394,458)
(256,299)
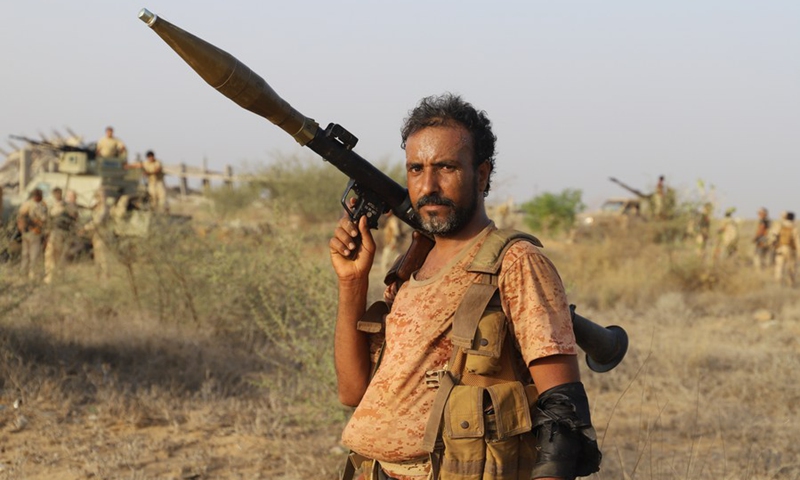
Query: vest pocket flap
(512,411)
(463,415)
(490,334)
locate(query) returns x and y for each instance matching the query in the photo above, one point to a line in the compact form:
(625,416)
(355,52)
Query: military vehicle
(614,215)
(660,206)
(651,216)
(71,165)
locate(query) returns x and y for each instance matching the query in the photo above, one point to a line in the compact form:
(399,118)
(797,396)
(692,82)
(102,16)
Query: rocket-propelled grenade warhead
(233,79)
(376,193)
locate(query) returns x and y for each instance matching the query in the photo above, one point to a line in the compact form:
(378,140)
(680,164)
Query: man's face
(57,195)
(109,132)
(443,183)
(151,158)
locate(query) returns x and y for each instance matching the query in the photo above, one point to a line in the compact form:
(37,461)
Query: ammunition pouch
(486,433)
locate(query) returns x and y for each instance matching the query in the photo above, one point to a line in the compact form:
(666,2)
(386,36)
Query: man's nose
(430,182)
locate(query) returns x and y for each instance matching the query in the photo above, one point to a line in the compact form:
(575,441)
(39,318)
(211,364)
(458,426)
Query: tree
(552,213)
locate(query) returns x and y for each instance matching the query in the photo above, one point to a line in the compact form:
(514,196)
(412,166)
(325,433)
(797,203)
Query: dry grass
(208,354)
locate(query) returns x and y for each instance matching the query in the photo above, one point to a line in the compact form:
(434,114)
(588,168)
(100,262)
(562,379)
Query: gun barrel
(236,81)
(605,347)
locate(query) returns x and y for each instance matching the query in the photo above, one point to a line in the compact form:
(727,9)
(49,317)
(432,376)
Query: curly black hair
(443,109)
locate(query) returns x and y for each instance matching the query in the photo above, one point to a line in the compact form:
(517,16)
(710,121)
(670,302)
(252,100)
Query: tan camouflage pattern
(389,423)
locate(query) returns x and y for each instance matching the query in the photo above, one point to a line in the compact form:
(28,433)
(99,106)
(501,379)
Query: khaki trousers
(100,255)
(785,265)
(31,252)
(158,196)
(54,253)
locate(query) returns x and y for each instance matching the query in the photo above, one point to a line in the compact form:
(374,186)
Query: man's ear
(484,170)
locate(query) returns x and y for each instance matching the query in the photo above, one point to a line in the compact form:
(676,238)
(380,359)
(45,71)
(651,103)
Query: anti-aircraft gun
(661,205)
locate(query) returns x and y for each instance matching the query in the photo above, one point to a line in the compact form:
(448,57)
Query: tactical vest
(480,423)
(786,237)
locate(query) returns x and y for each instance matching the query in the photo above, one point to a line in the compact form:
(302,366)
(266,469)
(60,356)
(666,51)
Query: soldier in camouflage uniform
(786,240)
(98,229)
(762,257)
(62,219)
(31,220)
(449,161)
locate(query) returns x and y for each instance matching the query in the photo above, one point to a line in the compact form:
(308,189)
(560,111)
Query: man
(659,199)
(392,237)
(31,219)
(728,234)
(449,162)
(786,240)
(155,181)
(110,146)
(763,250)
(98,229)
(63,216)
(704,228)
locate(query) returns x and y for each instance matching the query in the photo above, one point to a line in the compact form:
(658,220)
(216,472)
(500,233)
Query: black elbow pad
(566,442)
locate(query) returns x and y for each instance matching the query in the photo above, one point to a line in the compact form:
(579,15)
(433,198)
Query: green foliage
(229,200)
(306,186)
(553,213)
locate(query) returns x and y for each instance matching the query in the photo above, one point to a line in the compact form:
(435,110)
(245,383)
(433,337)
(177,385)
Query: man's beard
(450,224)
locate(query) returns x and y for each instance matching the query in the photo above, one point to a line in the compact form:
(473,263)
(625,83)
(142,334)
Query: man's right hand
(352,250)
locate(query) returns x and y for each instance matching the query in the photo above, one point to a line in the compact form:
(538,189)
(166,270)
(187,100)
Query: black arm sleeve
(566,442)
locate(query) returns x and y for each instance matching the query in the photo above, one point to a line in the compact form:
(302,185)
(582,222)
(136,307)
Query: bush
(553,213)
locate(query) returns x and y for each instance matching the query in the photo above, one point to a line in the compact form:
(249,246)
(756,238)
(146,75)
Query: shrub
(553,213)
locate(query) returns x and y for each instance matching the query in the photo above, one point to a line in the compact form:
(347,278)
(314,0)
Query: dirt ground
(46,441)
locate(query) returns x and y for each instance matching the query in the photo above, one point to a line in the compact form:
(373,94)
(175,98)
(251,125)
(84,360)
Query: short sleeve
(535,302)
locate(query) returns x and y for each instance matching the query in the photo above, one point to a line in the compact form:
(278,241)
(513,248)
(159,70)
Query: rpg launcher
(375,192)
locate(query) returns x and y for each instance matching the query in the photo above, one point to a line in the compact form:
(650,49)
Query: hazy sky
(578,90)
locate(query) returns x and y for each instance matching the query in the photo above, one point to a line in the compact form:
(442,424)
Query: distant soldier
(155,181)
(704,228)
(392,237)
(786,240)
(31,220)
(762,256)
(98,228)
(504,214)
(659,199)
(62,218)
(111,146)
(728,234)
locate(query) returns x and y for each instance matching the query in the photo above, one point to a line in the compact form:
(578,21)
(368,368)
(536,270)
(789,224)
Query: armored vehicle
(49,164)
(614,215)
(70,165)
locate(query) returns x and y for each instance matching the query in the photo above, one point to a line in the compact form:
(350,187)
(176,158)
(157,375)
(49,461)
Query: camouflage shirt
(389,423)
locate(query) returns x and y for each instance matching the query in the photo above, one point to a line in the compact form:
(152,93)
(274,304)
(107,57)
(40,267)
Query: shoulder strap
(477,298)
(490,256)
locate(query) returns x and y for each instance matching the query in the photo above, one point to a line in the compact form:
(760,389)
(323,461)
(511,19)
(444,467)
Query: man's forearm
(351,347)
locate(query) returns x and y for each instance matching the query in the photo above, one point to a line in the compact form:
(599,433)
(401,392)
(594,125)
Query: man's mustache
(434,200)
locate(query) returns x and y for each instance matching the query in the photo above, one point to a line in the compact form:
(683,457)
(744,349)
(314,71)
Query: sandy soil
(43,441)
